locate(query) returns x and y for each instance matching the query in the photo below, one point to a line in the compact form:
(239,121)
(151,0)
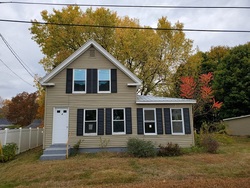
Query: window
(79,81)
(90,122)
(149,121)
(104,81)
(118,117)
(177,121)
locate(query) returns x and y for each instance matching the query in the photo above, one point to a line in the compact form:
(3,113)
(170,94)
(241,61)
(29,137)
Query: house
(92,97)
(239,126)
(4,123)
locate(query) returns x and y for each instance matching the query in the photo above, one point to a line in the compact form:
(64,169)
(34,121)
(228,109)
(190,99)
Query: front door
(60,125)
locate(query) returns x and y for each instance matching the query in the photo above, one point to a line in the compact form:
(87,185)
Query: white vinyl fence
(24,138)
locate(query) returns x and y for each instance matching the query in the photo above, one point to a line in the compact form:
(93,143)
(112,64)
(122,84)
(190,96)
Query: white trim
(155,122)
(124,120)
(99,80)
(79,52)
(133,84)
(84,121)
(239,117)
(167,102)
(182,121)
(73,80)
(48,84)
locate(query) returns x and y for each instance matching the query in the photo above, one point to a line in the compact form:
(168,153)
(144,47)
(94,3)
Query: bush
(8,152)
(141,148)
(170,150)
(209,143)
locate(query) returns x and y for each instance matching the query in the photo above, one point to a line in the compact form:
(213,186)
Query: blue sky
(19,37)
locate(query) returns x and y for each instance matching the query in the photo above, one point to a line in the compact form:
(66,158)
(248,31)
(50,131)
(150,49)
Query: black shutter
(80,116)
(128,120)
(91,80)
(167,120)
(108,121)
(100,121)
(113,81)
(69,80)
(187,121)
(159,120)
(94,81)
(140,121)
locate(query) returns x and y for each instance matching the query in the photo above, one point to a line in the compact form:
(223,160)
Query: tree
(206,107)
(152,56)
(232,82)
(22,109)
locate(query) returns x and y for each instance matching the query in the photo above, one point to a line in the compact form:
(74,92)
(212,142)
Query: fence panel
(24,138)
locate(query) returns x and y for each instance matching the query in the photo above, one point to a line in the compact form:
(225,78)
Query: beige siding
(239,126)
(126,97)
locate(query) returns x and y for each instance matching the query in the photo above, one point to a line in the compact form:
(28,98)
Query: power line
(15,73)
(17,57)
(128,6)
(125,27)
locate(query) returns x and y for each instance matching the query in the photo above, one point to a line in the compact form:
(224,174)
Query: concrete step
(55,152)
(47,157)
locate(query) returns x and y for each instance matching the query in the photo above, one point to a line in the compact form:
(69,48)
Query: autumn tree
(152,55)
(22,109)
(206,107)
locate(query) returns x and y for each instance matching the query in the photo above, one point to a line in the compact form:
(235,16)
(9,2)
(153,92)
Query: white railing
(24,138)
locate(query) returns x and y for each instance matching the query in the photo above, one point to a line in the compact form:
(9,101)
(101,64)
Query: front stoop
(55,152)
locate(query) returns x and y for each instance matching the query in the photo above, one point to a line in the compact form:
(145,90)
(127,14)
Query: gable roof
(45,80)
(148,99)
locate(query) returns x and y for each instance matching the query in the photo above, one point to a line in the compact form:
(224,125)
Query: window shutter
(91,80)
(113,81)
(69,80)
(187,121)
(80,116)
(167,120)
(140,121)
(128,120)
(108,121)
(100,121)
(159,120)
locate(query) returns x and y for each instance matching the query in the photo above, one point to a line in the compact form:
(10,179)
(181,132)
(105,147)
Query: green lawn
(230,167)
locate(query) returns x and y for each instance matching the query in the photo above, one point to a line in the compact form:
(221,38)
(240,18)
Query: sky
(19,37)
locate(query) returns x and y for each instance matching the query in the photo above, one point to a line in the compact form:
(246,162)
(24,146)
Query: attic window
(92,53)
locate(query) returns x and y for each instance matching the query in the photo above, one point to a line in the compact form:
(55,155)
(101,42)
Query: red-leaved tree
(206,105)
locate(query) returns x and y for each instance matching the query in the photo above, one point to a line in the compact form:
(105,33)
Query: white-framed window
(79,81)
(118,121)
(90,122)
(177,121)
(149,121)
(104,81)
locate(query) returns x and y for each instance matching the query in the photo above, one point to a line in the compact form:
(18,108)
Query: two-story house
(92,97)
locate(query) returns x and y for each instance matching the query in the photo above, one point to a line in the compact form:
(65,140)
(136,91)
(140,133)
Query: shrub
(8,152)
(170,150)
(140,148)
(209,143)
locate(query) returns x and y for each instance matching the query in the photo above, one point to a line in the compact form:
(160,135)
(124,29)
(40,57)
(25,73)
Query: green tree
(232,82)
(22,109)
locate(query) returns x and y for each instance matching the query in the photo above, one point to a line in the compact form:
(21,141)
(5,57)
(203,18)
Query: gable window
(79,81)
(149,122)
(118,120)
(104,80)
(177,121)
(90,122)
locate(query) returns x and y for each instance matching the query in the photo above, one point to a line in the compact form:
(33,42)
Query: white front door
(60,125)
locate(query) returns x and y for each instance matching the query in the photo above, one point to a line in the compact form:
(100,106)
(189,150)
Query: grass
(230,167)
